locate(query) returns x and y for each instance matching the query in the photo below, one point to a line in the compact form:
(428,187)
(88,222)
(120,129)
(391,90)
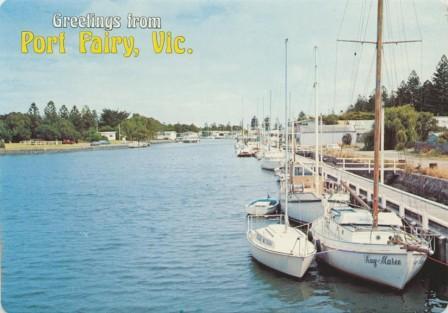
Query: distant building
(331,134)
(362,127)
(189,137)
(110,135)
(442,121)
(166,135)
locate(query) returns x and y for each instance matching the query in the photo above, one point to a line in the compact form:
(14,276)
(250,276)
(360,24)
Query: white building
(331,134)
(166,135)
(442,121)
(362,127)
(110,135)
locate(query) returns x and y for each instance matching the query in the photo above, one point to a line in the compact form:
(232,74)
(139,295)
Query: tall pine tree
(440,83)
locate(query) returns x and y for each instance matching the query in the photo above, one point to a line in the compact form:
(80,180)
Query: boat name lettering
(382,260)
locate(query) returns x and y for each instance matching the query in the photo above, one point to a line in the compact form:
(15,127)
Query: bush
(2,144)
(347,139)
(93,135)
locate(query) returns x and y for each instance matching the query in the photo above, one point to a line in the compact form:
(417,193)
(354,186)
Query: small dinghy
(262,207)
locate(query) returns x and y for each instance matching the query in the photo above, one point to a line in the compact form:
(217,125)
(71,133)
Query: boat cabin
(302,178)
(355,225)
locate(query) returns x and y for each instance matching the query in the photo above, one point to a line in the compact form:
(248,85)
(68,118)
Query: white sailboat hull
(303,207)
(271,164)
(286,263)
(383,264)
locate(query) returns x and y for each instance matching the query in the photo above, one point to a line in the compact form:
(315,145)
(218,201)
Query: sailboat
(367,243)
(302,187)
(272,159)
(282,247)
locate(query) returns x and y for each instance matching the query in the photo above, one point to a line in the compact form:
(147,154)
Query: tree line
(76,124)
(430,96)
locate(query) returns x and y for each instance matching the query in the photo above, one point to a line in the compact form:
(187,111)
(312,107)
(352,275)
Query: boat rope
(437,261)
(336,56)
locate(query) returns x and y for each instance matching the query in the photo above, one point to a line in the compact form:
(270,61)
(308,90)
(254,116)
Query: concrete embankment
(38,149)
(53,149)
(432,188)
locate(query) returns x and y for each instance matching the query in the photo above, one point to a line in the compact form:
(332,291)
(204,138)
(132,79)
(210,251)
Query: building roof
(327,129)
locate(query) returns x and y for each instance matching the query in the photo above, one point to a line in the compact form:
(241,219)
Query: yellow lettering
(26,39)
(39,44)
(177,48)
(156,44)
(168,50)
(62,42)
(83,38)
(128,44)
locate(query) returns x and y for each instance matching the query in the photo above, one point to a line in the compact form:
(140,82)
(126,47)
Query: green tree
(50,114)
(426,123)
(429,98)
(401,139)
(63,112)
(5,135)
(47,131)
(330,119)
(75,118)
(110,119)
(92,135)
(440,83)
(401,119)
(35,118)
(414,89)
(19,126)
(88,119)
(135,128)
(66,130)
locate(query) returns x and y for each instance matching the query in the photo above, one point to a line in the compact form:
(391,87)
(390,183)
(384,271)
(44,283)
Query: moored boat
(272,160)
(386,254)
(262,206)
(282,247)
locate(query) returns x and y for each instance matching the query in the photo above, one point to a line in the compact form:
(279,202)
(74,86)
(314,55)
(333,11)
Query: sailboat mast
(378,109)
(316,125)
(286,136)
(270,119)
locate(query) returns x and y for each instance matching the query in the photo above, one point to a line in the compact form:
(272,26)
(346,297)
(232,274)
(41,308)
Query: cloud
(238,52)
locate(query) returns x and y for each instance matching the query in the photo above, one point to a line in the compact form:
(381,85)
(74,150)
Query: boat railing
(302,228)
(252,218)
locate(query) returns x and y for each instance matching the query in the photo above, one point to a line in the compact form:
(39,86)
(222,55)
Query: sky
(237,59)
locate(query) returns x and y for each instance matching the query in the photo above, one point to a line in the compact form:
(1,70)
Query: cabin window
(307,172)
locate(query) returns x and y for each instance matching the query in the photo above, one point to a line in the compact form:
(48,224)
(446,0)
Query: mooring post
(401,211)
(383,202)
(441,248)
(425,222)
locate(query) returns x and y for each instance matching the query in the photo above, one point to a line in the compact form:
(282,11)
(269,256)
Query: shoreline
(67,148)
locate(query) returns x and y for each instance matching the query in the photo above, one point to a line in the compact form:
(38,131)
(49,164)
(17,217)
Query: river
(161,229)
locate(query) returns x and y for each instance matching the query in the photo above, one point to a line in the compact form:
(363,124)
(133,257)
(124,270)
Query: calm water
(160,230)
